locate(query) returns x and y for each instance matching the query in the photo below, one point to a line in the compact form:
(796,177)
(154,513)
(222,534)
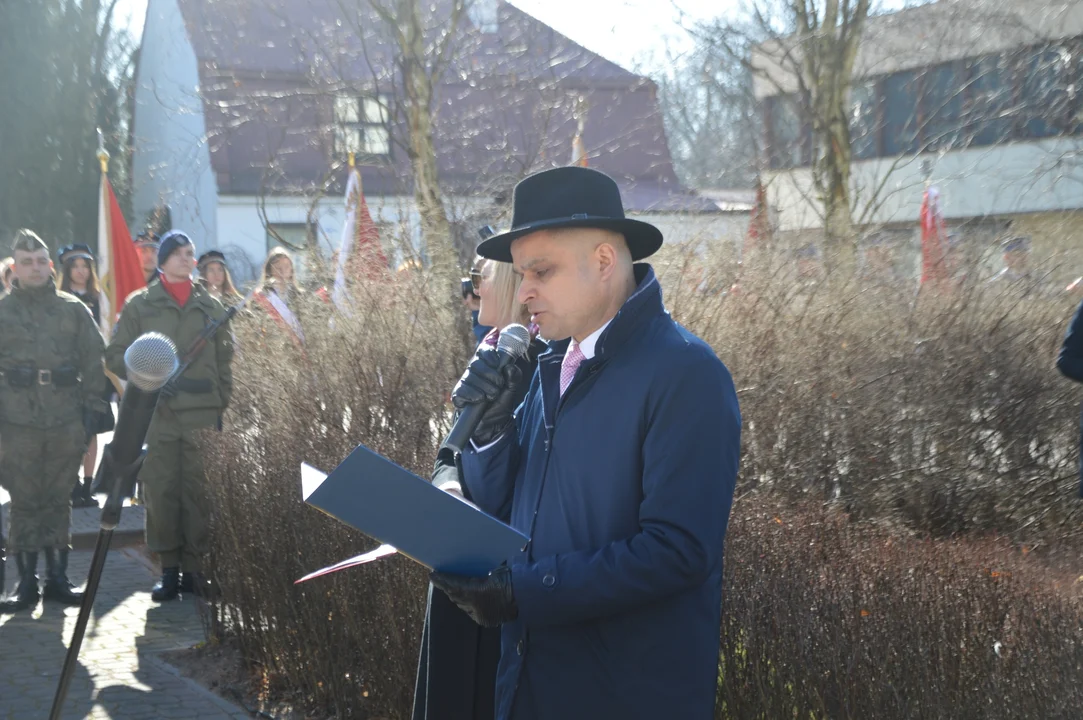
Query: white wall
(997,180)
(696,229)
(171,161)
(241,227)
(929,34)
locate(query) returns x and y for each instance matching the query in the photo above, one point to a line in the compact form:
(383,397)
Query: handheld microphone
(512,344)
(149,361)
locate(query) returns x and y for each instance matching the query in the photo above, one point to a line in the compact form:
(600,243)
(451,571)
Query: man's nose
(526,292)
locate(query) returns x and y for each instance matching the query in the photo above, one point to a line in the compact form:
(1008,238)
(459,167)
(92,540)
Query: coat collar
(644,304)
(158,295)
(34,294)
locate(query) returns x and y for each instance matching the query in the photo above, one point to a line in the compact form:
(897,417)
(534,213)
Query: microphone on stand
(513,343)
(149,361)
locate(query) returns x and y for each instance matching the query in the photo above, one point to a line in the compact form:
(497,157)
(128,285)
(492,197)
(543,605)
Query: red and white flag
(120,271)
(758,224)
(934,239)
(359,251)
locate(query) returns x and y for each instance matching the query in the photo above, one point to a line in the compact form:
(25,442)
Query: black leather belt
(25,377)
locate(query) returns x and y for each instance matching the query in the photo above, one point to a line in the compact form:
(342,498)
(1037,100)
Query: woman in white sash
(279,295)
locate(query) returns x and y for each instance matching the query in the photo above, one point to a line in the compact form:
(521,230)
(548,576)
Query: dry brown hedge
(884,416)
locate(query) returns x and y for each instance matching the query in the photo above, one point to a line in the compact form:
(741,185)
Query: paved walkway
(118,675)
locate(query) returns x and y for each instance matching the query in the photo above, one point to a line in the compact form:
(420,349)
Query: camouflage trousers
(38,468)
(175,492)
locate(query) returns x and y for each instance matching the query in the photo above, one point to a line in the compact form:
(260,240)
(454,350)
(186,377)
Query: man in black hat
(619,465)
(147,243)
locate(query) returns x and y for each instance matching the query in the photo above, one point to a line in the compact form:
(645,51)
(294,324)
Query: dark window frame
(972,130)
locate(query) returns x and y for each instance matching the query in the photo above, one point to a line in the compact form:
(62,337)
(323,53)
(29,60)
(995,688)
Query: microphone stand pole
(121,482)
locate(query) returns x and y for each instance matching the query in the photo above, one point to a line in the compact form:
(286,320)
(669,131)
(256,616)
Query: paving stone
(117,676)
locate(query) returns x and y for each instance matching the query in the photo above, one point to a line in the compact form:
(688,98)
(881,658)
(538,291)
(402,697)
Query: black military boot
(26,593)
(77,500)
(168,588)
(88,497)
(57,586)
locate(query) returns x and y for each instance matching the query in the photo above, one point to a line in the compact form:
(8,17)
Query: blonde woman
(457,669)
(278,293)
(497,285)
(214,275)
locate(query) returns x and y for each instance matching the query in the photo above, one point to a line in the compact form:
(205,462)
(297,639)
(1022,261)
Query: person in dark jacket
(619,466)
(456,677)
(79,278)
(1070,363)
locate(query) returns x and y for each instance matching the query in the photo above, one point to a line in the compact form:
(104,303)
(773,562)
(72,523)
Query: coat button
(549,581)
(519,647)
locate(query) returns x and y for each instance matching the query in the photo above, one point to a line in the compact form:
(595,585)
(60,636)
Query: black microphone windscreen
(150,361)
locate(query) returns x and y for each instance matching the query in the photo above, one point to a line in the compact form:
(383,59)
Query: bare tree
(66,71)
(422,60)
(710,112)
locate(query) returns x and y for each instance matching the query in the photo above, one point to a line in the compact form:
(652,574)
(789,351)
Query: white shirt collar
(590,341)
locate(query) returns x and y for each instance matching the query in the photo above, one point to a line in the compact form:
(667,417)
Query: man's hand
(485,380)
(490,600)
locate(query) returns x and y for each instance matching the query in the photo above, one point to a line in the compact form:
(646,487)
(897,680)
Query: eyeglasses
(475,279)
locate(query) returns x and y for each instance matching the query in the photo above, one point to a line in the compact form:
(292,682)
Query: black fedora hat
(570,197)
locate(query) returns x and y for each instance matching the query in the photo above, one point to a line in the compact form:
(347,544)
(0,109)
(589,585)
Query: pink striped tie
(572,360)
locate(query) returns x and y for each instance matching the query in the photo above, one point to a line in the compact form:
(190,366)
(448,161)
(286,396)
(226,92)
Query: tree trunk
(435,226)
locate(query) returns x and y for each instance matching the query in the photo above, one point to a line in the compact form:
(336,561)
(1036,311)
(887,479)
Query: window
(787,139)
(362,125)
(863,121)
(900,113)
(942,108)
(989,101)
(484,15)
(1045,92)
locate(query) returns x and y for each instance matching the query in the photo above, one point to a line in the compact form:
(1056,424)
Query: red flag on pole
(360,252)
(758,226)
(118,261)
(934,239)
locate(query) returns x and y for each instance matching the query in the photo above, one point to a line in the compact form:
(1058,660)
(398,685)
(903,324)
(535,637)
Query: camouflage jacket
(43,330)
(154,310)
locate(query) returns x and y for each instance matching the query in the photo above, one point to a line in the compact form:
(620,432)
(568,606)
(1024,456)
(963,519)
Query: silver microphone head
(150,361)
(514,340)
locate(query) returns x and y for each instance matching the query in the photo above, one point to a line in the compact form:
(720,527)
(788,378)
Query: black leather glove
(491,377)
(490,600)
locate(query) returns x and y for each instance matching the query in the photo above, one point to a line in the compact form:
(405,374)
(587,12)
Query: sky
(628,32)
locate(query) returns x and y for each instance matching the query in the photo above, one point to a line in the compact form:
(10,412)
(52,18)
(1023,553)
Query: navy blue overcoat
(624,486)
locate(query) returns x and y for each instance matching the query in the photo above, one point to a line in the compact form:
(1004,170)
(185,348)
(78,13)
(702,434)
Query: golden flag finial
(103,154)
(350,159)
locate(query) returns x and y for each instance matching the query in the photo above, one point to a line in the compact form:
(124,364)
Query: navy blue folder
(396,507)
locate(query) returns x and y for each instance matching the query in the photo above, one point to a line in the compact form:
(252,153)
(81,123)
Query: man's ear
(605,255)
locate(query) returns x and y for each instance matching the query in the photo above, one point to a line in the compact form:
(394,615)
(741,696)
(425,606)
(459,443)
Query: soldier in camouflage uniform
(173,471)
(50,392)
